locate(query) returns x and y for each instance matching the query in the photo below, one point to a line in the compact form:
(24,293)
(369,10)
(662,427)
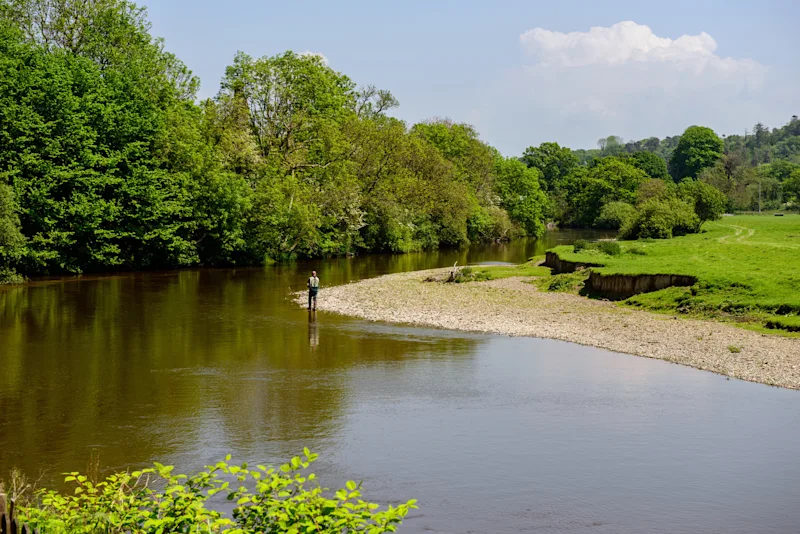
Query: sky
(524,72)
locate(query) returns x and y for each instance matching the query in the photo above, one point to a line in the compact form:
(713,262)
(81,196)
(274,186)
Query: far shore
(511,306)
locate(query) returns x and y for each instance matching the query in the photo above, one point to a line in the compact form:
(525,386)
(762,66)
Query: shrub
(708,201)
(614,215)
(155,500)
(580,244)
(567,282)
(611,248)
(637,251)
(661,219)
(654,188)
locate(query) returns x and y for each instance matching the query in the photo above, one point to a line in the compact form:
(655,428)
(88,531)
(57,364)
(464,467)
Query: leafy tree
(698,148)
(296,106)
(791,187)
(520,194)
(654,188)
(473,160)
(733,176)
(654,165)
(586,191)
(661,219)
(613,145)
(12,242)
(553,161)
(100,191)
(709,202)
(615,215)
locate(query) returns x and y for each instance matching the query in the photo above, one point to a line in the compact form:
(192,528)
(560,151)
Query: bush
(568,282)
(611,248)
(661,219)
(155,500)
(659,189)
(614,215)
(708,201)
(580,244)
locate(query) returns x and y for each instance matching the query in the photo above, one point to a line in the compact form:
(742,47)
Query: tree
(613,145)
(791,187)
(472,159)
(296,105)
(654,165)
(698,148)
(553,161)
(372,102)
(661,219)
(708,201)
(654,188)
(615,215)
(12,242)
(520,194)
(100,178)
(732,175)
(586,192)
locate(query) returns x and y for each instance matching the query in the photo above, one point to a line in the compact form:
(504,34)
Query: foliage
(580,244)
(708,201)
(553,162)
(751,172)
(614,215)
(611,248)
(661,219)
(520,195)
(652,164)
(113,165)
(735,178)
(658,189)
(698,148)
(563,283)
(156,500)
(586,191)
(12,242)
(792,186)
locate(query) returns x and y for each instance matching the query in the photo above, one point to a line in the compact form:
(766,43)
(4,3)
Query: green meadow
(747,267)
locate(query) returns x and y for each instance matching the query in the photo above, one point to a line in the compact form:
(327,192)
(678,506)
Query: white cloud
(625,80)
(623,42)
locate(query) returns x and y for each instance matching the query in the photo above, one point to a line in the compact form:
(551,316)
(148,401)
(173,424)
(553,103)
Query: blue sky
(525,72)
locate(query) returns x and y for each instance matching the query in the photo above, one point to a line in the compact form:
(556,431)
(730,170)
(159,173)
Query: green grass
(495,272)
(747,266)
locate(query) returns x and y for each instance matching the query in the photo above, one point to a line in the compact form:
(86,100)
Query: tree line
(109,162)
(604,187)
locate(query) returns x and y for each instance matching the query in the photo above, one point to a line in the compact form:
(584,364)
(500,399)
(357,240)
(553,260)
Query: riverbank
(741,269)
(515,307)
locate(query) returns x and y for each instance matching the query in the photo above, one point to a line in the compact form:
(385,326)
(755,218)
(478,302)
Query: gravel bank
(512,307)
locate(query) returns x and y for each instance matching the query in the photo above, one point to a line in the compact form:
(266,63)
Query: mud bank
(617,286)
(514,307)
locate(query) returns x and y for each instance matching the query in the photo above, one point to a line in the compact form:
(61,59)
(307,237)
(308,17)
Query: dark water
(491,434)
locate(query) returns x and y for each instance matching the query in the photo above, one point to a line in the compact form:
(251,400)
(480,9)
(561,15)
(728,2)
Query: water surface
(491,434)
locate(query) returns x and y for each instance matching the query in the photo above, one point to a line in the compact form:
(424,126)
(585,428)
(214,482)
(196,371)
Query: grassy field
(495,272)
(747,266)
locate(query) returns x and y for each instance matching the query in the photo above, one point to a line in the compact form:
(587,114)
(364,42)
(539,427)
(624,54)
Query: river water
(489,433)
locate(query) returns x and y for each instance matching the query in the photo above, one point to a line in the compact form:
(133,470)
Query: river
(489,433)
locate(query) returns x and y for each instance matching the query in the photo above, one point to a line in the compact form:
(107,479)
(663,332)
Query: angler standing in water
(313,289)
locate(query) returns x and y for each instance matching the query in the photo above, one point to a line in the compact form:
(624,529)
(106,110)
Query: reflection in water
(185,367)
(313,332)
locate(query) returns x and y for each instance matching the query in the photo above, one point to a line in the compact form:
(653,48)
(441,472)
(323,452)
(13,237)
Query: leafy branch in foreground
(155,500)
